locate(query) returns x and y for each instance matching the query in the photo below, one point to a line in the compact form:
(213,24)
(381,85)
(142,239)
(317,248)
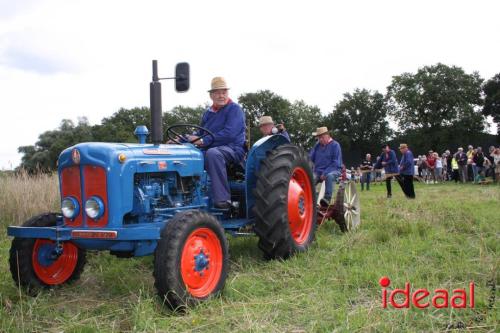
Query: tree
(491,91)
(44,154)
(118,128)
(436,103)
(121,125)
(301,121)
(299,118)
(183,115)
(262,103)
(359,122)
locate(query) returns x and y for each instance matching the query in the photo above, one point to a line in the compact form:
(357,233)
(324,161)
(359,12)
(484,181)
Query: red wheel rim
(49,271)
(201,262)
(300,206)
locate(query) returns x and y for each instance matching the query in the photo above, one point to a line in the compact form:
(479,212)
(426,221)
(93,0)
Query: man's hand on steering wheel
(193,139)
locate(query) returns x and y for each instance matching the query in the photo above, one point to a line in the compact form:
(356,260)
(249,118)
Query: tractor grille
(83,182)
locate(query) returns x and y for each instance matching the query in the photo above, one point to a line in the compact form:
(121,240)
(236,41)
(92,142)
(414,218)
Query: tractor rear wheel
(33,264)
(285,203)
(191,259)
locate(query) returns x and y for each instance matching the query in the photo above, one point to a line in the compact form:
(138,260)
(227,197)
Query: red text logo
(423,298)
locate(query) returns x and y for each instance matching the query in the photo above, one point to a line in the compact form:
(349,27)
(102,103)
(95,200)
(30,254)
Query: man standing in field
(327,158)
(389,162)
(470,164)
(431,164)
(461,159)
(366,168)
(406,171)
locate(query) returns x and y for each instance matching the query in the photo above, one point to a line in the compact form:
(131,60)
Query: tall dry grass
(23,196)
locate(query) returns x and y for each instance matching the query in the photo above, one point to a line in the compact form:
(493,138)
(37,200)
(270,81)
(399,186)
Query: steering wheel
(173,135)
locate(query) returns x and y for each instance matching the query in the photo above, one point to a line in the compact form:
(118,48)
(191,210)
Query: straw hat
(403,146)
(264,120)
(218,83)
(320,131)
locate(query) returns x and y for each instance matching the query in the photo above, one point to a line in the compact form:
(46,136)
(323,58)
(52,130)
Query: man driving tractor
(226,120)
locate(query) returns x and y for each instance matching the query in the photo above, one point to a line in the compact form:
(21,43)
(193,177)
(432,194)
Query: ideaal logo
(423,298)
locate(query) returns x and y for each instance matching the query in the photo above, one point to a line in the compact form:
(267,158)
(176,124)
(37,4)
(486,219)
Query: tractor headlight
(94,207)
(70,207)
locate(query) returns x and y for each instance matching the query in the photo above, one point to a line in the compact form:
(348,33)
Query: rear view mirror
(182,77)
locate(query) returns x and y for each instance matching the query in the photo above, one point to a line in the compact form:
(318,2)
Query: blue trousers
(216,160)
(330,181)
(366,178)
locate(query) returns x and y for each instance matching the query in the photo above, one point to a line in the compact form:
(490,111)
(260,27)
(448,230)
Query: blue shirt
(285,134)
(327,158)
(391,162)
(228,126)
(406,165)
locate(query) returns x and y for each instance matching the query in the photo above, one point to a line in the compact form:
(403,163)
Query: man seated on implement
(327,158)
(226,120)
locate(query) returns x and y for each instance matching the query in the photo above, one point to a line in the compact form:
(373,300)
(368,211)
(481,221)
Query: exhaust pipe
(155,106)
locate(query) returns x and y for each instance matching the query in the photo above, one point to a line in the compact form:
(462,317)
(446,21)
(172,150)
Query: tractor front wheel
(34,263)
(285,203)
(191,259)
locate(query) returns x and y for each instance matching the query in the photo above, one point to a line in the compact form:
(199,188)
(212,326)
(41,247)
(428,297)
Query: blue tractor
(138,199)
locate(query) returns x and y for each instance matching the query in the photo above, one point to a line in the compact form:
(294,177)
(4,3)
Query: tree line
(439,107)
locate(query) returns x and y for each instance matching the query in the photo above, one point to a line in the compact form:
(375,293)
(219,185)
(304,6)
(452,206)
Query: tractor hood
(119,157)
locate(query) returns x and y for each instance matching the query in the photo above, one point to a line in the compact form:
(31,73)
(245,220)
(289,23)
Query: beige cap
(218,83)
(320,131)
(403,145)
(264,120)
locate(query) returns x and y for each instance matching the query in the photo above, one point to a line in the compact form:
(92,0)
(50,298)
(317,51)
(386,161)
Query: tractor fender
(255,156)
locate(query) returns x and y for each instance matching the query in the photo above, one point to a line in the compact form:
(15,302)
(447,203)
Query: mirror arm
(170,78)
(155,74)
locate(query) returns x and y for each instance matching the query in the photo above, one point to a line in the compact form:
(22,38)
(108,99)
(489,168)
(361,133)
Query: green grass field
(447,237)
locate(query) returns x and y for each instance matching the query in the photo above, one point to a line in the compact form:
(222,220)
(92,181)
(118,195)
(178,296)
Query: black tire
(170,265)
(22,262)
(273,225)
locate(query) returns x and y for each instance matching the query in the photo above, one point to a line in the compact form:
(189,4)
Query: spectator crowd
(473,166)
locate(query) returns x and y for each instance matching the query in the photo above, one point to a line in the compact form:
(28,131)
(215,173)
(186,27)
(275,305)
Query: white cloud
(64,59)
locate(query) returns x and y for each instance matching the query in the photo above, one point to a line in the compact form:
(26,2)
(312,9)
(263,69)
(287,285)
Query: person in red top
(431,163)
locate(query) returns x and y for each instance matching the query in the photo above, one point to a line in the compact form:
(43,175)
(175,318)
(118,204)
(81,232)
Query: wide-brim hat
(218,83)
(320,131)
(264,120)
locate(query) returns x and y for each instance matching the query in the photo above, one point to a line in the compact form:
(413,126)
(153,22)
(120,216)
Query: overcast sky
(67,59)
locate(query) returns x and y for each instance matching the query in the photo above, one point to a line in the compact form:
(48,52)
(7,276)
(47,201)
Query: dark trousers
(462,171)
(454,176)
(406,182)
(216,160)
(388,181)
